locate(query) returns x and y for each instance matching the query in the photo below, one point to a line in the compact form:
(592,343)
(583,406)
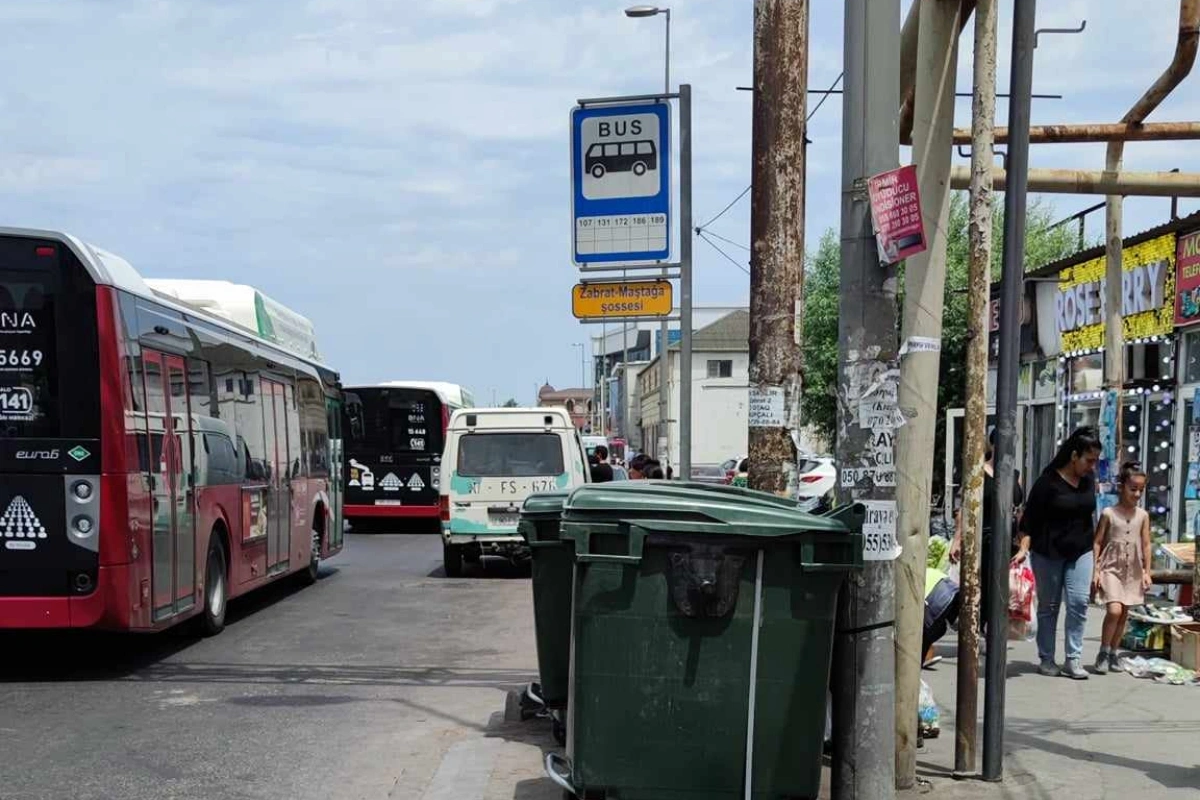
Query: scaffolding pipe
(1098,132)
(1114,334)
(1084,181)
(908,63)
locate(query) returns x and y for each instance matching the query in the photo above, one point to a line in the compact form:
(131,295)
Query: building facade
(1061,385)
(577,402)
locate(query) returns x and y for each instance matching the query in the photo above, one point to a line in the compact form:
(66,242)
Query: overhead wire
(702,230)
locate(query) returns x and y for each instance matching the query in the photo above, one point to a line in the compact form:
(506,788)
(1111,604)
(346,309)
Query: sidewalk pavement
(1111,736)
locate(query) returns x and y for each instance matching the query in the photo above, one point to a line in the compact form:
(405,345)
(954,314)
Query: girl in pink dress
(1122,551)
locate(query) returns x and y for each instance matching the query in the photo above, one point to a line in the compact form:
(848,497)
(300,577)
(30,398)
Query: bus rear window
(509,455)
(29,375)
(395,420)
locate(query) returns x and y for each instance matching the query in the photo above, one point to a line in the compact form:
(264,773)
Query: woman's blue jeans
(1056,578)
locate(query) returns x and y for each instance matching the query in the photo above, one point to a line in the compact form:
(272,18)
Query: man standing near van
(601,470)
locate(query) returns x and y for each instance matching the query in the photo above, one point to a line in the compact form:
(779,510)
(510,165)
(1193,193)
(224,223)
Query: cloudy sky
(397,169)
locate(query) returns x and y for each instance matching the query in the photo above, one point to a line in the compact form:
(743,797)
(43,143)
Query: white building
(635,343)
(720,394)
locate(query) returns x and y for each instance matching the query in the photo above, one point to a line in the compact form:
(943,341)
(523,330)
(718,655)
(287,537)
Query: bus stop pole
(685,281)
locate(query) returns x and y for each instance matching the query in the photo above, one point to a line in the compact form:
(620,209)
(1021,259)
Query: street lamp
(637,12)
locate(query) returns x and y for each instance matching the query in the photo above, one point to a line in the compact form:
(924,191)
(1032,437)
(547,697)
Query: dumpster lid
(751,512)
(545,503)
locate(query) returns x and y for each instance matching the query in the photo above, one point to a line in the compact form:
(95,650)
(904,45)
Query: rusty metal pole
(777,239)
(979,280)
(1092,132)
(920,351)
(1093,181)
(1008,361)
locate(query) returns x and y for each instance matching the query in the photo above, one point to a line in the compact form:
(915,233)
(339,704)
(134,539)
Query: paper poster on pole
(879,531)
(896,214)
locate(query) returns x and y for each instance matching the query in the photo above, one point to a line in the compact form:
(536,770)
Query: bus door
(279,500)
(172,490)
(333,413)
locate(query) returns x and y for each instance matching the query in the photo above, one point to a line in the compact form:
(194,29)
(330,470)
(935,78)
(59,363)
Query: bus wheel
(216,592)
(314,560)
(452,560)
(639,168)
(597,171)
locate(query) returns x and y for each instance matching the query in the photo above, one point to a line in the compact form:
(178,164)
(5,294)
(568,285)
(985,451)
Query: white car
(818,477)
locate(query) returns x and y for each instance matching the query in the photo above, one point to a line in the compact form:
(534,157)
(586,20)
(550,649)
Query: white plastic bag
(928,714)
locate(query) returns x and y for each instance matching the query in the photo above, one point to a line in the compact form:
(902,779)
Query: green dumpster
(552,566)
(702,634)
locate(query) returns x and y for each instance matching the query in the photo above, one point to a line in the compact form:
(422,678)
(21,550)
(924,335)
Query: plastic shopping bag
(928,714)
(1021,599)
(1020,592)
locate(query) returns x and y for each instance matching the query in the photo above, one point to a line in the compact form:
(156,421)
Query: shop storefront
(1149,397)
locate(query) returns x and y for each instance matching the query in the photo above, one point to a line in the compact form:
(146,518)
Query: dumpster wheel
(559,729)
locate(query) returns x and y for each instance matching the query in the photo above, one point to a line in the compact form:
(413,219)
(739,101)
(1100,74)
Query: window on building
(720,368)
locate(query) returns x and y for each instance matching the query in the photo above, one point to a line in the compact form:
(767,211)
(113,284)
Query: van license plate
(504,520)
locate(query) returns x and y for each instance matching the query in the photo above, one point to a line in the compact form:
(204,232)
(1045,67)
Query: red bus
(395,432)
(156,459)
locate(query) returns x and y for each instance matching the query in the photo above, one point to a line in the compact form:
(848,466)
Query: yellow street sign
(621,299)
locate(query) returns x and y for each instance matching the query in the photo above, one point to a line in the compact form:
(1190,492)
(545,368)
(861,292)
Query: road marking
(464,771)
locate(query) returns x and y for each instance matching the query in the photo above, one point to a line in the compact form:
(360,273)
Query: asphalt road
(384,680)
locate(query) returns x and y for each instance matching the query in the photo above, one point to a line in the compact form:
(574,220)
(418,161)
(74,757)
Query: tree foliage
(822,280)
(511,403)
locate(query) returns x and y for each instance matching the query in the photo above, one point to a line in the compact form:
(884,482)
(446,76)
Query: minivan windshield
(509,455)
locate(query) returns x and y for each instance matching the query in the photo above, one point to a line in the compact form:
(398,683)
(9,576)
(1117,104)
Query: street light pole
(662,447)
(667,61)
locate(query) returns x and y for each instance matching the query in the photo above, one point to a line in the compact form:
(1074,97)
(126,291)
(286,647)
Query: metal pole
(1097,132)
(685,281)
(983,118)
(1021,81)
(603,377)
(667,60)
(1094,181)
(921,333)
(662,447)
(777,239)
(863,676)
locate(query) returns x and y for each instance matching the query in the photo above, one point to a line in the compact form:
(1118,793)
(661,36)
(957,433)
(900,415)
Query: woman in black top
(1058,528)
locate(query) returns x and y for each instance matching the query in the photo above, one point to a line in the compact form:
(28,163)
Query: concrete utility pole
(777,238)
(864,648)
(979,280)
(921,334)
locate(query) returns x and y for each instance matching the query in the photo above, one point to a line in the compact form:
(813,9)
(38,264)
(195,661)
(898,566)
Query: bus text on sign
(620,183)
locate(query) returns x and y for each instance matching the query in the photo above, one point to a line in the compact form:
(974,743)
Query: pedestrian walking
(1057,534)
(1122,553)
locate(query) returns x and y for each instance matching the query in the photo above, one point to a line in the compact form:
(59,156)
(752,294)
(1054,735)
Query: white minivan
(494,459)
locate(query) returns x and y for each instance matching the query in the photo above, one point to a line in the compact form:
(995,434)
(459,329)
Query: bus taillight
(44,251)
(444,503)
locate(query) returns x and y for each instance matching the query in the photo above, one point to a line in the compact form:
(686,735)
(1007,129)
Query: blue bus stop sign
(621,183)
